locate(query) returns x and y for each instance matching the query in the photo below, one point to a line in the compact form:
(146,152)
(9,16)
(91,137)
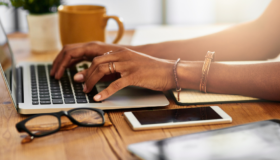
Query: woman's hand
(136,69)
(75,53)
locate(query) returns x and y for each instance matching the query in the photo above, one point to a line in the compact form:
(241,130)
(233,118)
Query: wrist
(189,74)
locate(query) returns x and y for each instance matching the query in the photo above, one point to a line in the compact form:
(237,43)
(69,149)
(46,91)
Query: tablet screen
(176,115)
(259,140)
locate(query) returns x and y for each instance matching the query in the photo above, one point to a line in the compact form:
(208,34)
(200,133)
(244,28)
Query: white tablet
(153,119)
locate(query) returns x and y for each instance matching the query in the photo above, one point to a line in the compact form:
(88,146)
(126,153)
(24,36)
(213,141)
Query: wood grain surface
(101,142)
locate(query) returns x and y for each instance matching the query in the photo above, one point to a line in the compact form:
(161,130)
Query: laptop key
(81,101)
(44,90)
(34,99)
(44,96)
(78,91)
(55,91)
(56,97)
(44,93)
(35,96)
(53,88)
(45,102)
(45,99)
(80,97)
(57,101)
(34,89)
(35,102)
(43,87)
(67,92)
(68,96)
(56,94)
(69,100)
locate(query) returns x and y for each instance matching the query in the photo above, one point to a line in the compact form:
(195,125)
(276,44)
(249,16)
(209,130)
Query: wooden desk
(103,142)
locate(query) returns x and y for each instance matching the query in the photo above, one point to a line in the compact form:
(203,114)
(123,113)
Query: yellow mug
(84,23)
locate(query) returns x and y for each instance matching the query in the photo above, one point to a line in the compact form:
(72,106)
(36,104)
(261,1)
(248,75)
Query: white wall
(149,12)
(193,12)
(133,12)
(190,12)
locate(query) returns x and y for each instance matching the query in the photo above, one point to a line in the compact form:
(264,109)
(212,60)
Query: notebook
(190,97)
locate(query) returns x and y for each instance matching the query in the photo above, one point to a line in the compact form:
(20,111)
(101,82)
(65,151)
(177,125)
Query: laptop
(33,91)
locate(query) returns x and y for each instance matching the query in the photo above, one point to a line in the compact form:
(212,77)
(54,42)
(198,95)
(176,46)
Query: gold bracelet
(205,69)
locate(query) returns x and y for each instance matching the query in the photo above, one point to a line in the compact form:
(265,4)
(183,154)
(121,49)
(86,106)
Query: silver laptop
(34,91)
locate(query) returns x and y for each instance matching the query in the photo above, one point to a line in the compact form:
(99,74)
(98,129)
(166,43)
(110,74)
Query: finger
(61,54)
(80,76)
(112,57)
(111,89)
(75,61)
(98,73)
(74,53)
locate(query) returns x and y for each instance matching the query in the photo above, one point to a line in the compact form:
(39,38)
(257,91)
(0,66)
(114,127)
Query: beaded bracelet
(205,69)
(178,88)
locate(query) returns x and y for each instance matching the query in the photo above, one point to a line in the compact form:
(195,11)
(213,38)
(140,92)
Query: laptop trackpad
(130,91)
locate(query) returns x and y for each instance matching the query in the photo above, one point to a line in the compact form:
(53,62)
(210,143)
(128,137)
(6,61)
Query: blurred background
(156,12)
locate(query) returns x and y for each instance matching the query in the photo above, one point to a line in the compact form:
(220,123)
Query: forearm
(255,80)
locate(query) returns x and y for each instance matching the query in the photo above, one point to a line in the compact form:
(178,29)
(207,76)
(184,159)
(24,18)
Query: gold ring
(110,67)
(114,67)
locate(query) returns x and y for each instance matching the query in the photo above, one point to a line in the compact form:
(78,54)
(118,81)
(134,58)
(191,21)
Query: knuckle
(101,68)
(96,60)
(117,85)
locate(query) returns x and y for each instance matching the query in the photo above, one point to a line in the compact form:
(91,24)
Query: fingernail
(97,97)
(85,88)
(79,77)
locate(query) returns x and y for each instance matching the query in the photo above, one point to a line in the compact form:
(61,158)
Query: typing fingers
(100,71)
(61,55)
(80,76)
(69,55)
(112,57)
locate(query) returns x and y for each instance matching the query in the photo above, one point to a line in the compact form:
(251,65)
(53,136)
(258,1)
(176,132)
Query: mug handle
(120,24)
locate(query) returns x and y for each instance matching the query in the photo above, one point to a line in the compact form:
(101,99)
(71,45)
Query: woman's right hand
(75,53)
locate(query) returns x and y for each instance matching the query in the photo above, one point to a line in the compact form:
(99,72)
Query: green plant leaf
(37,6)
(3,3)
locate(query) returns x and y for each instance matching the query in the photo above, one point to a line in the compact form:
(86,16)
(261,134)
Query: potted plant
(42,23)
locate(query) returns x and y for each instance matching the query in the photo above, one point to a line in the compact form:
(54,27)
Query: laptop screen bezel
(12,92)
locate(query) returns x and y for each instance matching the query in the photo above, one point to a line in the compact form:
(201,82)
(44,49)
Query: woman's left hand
(136,69)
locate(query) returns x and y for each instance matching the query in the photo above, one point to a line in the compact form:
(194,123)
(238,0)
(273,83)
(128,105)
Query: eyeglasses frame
(20,126)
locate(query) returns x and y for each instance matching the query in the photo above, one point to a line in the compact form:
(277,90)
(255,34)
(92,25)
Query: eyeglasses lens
(87,116)
(42,124)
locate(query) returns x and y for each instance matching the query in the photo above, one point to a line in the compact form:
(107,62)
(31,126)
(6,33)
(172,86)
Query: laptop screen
(7,63)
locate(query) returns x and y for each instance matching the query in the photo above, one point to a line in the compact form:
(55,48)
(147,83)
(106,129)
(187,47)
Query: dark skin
(150,66)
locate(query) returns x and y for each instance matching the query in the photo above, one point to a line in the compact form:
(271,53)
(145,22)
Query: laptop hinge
(19,82)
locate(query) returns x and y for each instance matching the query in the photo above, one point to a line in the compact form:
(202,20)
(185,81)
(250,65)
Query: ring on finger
(110,68)
(114,67)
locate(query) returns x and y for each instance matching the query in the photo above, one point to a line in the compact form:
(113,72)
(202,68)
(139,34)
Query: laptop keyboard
(47,90)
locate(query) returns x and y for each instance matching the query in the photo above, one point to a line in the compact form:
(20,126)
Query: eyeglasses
(45,124)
